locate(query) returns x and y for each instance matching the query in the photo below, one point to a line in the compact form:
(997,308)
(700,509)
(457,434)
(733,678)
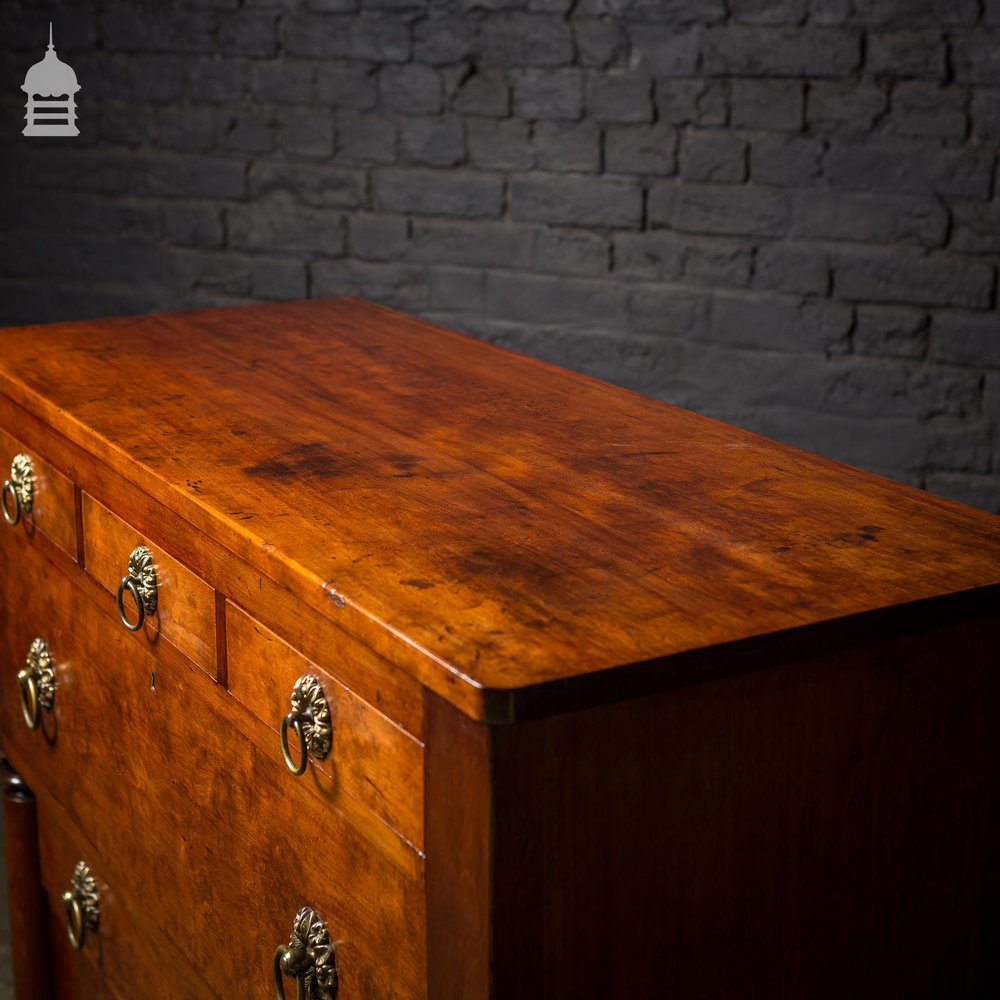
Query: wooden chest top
(509,531)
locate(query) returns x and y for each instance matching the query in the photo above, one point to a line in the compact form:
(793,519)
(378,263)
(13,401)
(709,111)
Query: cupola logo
(51,87)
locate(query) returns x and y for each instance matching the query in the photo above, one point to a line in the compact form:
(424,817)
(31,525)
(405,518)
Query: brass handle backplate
(37,684)
(18,494)
(309,719)
(308,958)
(82,903)
(140,582)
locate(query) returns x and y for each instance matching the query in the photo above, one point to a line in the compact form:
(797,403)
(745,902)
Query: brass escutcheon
(82,903)
(140,582)
(37,683)
(18,493)
(310,720)
(308,958)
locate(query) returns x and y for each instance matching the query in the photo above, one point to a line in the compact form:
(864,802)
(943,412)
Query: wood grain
(188,815)
(29,949)
(371,760)
(511,522)
(185,611)
(52,510)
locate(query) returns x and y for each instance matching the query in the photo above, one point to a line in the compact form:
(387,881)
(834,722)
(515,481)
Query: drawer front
(187,813)
(185,604)
(123,956)
(370,759)
(53,504)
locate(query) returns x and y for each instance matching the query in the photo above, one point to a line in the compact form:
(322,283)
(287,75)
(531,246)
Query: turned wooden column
(28,926)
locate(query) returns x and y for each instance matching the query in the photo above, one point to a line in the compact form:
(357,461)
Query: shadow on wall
(783,213)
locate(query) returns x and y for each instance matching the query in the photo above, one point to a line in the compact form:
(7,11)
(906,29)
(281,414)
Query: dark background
(785,213)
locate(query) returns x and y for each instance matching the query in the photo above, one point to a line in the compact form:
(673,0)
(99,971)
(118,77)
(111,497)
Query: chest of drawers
(345,656)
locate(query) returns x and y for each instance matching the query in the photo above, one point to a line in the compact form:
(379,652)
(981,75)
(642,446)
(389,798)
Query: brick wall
(785,213)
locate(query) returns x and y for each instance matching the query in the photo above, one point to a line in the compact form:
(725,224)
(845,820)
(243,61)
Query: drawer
(188,814)
(125,955)
(52,502)
(370,759)
(185,604)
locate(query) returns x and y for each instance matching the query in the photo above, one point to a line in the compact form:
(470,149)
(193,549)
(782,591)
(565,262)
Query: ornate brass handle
(308,958)
(82,903)
(19,490)
(310,720)
(37,684)
(140,582)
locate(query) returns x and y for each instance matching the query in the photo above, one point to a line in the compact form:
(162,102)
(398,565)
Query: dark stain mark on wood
(310,459)
(419,584)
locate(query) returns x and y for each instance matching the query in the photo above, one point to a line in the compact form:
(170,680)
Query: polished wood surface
(151,761)
(25,900)
(371,759)
(53,507)
(513,523)
(185,604)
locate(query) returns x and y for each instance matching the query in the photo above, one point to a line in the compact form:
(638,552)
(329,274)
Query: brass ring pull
(308,958)
(36,684)
(140,582)
(19,490)
(310,718)
(82,905)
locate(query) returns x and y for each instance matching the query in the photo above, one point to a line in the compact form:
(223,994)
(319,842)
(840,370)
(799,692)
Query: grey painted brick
(475,244)
(193,225)
(976,491)
(665,52)
(921,109)
(658,255)
(769,11)
(777,105)
(910,167)
(791,267)
(538,298)
(845,108)
(894,276)
(160,80)
(212,274)
(676,13)
(499,145)
(955,444)
(346,84)
(891,331)
(692,102)
(248,34)
(986,113)
(263,226)
(379,37)
(486,93)
(456,288)
(600,42)
(440,192)
(547,93)
(216,80)
(158,31)
(378,237)
(526,40)
(248,131)
(364,138)
(640,149)
(277,278)
(567,146)
(442,40)
(620,97)
(319,186)
(991,13)
(432,141)
(668,310)
(282,82)
(186,129)
(712,156)
(413,88)
(576,201)
(306,131)
(393,284)
(189,176)
(899,55)
(54,167)
(975,57)
(562,251)
(976,226)
(916,13)
(963,339)
(864,218)
(777,323)
(802,52)
(723,210)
